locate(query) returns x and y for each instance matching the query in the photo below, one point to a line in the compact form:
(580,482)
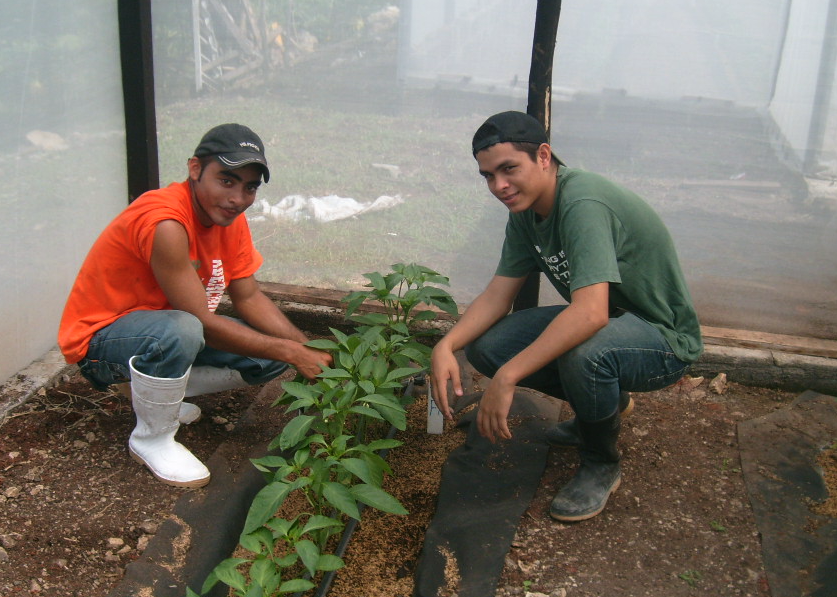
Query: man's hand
(311,362)
(444,368)
(492,418)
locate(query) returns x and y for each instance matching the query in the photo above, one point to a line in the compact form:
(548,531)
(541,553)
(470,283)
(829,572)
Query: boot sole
(588,515)
(194,483)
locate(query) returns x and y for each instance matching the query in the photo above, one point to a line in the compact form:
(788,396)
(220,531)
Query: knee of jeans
(477,354)
(184,335)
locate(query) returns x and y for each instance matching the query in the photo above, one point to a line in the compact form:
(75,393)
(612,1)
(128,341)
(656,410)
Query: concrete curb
(19,388)
(769,368)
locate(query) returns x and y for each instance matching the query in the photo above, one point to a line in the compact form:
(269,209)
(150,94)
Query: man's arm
(182,286)
(492,304)
(587,313)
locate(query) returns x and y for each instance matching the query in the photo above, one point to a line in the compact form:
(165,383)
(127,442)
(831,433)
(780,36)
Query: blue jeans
(628,354)
(167,343)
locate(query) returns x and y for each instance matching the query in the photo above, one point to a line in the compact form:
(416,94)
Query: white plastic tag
(435,419)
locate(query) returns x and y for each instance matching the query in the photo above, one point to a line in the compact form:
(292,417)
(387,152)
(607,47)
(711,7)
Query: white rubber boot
(209,380)
(156,402)
(189,413)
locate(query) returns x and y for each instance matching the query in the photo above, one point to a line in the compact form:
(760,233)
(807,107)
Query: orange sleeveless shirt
(116,276)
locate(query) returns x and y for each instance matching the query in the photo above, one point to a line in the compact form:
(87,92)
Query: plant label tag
(435,419)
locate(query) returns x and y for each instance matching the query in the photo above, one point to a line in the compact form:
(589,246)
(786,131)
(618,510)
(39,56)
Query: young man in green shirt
(629,325)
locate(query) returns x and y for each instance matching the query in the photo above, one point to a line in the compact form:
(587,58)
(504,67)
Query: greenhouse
(722,116)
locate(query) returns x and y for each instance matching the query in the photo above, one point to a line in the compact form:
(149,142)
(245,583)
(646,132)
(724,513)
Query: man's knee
(183,335)
(480,357)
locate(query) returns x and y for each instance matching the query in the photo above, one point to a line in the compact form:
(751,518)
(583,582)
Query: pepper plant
(327,453)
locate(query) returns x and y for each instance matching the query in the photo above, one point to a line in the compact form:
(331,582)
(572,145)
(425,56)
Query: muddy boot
(189,413)
(565,434)
(156,402)
(597,476)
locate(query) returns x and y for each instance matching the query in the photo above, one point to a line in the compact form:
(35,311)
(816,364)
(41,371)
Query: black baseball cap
(510,127)
(233,145)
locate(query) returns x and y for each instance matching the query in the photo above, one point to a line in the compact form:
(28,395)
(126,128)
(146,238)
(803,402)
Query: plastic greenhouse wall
(718,113)
(62,156)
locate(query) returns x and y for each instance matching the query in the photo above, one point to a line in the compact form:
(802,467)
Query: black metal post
(138,96)
(539,106)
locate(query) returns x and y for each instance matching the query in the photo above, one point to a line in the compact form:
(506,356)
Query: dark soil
(75,509)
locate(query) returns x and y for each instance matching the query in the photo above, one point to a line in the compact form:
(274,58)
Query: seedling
(326,454)
(717,527)
(691,577)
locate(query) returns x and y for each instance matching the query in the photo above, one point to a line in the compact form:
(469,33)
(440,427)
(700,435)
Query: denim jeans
(167,343)
(628,354)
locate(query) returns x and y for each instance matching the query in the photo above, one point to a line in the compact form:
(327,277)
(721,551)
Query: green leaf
(297,585)
(380,399)
(265,504)
(377,498)
(329,562)
(353,301)
(210,582)
(377,467)
(309,553)
(359,468)
(328,373)
(320,522)
(339,496)
(373,319)
(254,541)
(322,344)
(295,431)
(298,390)
(269,462)
(341,337)
(389,408)
(265,574)
(345,360)
(380,444)
(226,572)
(301,404)
(288,560)
(366,411)
(401,373)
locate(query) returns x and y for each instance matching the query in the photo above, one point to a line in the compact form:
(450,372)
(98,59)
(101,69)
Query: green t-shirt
(599,232)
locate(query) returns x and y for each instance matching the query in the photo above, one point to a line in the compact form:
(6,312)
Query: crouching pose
(142,309)
(629,325)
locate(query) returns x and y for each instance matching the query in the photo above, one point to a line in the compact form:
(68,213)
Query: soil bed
(75,509)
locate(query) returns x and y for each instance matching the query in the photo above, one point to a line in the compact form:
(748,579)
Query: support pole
(138,96)
(539,106)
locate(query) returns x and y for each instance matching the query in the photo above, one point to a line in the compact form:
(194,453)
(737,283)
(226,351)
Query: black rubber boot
(597,476)
(565,433)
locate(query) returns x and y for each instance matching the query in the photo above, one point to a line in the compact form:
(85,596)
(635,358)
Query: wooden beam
(323,297)
(816,347)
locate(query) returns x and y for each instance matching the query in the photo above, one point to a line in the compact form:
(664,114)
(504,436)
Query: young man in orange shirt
(142,308)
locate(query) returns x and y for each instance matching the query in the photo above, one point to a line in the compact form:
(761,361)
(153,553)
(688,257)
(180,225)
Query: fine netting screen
(62,159)
(721,114)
